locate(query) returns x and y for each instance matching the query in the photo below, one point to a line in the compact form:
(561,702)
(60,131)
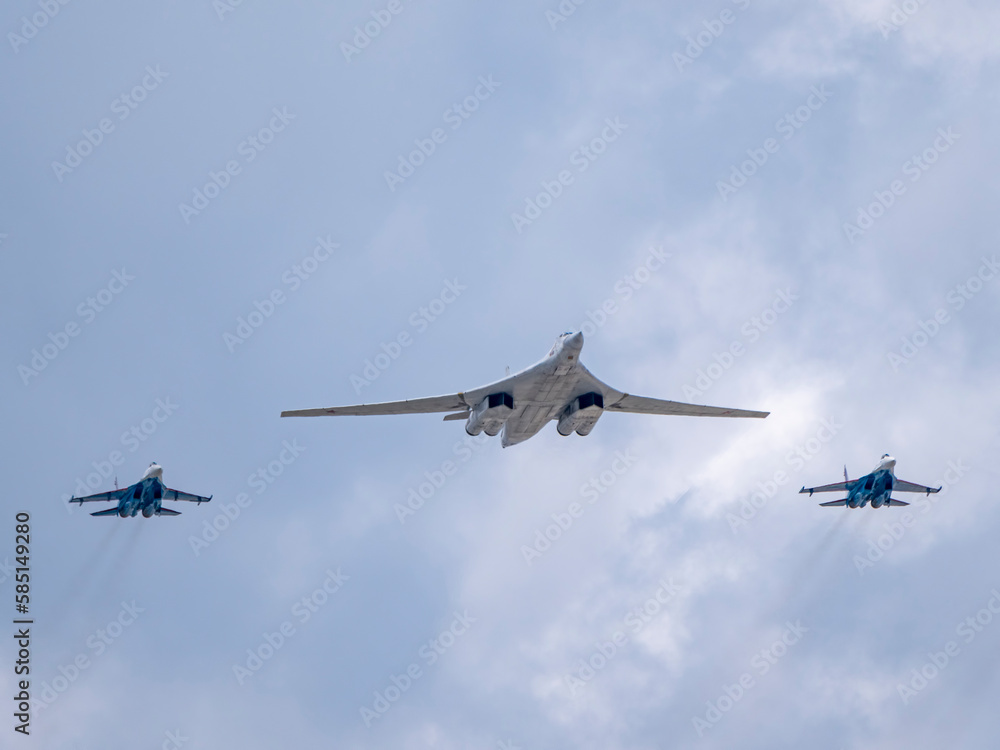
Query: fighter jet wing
(900,485)
(644,405)
(100,496)
(169,494)
(838,487)
(412,406)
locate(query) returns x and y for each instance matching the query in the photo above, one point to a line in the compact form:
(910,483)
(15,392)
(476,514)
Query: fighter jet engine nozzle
(147,511)
(123,512)
(490,414)
(581,415)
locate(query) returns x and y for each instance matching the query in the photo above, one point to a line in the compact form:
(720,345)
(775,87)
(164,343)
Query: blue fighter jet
(145,496)
(875,488)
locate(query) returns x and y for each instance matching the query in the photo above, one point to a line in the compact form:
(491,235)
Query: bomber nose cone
(574,342)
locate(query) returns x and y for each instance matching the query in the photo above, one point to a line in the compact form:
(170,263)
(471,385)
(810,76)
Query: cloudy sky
(213,213)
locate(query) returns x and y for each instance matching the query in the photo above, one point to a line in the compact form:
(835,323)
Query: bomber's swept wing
(169,494)
(838,487)
(615,400)
(101,496)
(412,406)
(900,485)
(460,402)
(644,405)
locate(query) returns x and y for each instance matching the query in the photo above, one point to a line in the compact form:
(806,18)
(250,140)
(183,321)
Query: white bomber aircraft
(558,387)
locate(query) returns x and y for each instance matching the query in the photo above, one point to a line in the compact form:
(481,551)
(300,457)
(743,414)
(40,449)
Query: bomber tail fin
(833,503)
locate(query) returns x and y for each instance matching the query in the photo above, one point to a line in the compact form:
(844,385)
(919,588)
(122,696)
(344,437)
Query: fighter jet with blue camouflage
(145,496)
(875,488)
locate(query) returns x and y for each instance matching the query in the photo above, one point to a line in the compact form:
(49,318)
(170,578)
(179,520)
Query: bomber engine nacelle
(581,415)
(490,414)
